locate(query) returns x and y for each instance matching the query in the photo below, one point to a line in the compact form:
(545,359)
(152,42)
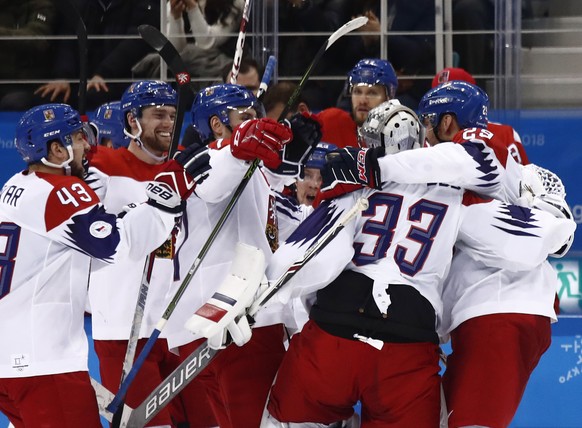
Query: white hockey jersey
(414,250)
(253,221)
(500,263)
(50,227)
(120,178)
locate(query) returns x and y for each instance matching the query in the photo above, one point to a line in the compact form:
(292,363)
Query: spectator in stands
(297,51)
(24,59)
(475,50)
(109,58)
(409,54)
(201,31)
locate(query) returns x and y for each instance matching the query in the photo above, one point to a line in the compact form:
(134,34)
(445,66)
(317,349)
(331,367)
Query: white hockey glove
(557,206)
(538,181)
(225,310)
(542,189)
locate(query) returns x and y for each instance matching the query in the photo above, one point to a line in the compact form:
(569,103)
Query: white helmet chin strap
(140,143)
(65,165)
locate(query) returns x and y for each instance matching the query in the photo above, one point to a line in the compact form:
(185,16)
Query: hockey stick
(267,75)
(201,357)
(114,405)
(240,42)
(343,30)
(153,37)
(70,8)
(172,58)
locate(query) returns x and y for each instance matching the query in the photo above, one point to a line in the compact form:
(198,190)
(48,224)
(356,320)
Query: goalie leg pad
(233,296)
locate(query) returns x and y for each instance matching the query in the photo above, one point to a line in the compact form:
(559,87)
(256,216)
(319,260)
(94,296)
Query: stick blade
(152,36)
(346,28)
(104,397)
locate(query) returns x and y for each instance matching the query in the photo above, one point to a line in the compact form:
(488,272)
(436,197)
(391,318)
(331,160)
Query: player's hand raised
(260,138)
(350,169)
(179,178)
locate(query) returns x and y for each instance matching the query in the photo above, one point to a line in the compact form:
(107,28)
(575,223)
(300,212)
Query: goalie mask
(392,126)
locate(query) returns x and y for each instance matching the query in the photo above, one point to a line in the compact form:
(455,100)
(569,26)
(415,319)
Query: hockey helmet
(374,71)
(467,102)
(146,93)
(43,124)
(108,123)
(218,100)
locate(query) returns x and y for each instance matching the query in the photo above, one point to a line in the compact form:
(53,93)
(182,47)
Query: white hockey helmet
(393,126)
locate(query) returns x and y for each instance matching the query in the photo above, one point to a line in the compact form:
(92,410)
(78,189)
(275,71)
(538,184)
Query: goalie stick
(153,37)
(201,357)
(115,404)
(240,42)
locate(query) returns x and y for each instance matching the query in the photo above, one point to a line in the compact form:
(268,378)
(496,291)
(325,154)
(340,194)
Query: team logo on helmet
(49,114)
(107,114)
(209,91)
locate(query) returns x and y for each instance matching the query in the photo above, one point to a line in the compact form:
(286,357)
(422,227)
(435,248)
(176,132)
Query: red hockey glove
(179,179)
(260,138)
(350,169)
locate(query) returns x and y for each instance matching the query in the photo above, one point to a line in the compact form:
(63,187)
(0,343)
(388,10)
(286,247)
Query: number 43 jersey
(50,228)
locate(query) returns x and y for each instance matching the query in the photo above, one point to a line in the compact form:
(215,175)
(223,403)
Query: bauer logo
(569,285)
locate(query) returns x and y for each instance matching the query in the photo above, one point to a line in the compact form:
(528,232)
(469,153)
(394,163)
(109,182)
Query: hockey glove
(178,179)
(260,138)
(227,307)
(195,160)
(350,169)
(306,134)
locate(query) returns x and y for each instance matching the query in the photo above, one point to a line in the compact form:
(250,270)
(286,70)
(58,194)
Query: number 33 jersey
(50,228)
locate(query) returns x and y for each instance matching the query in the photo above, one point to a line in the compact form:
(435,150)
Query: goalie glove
(179,179)
(260,138)
(226,309)
(537,181)
(351,169)
(557,206)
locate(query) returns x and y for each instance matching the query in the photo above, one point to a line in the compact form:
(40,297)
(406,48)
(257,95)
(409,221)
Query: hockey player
(52,225)
(487,374)
(230,105)
(108,126)
(371,82)
(378,286)
(239,378)
(504,132)
(120,177)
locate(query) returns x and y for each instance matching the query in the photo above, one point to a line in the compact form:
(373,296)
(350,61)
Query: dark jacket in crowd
(113,57)
(25,59)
